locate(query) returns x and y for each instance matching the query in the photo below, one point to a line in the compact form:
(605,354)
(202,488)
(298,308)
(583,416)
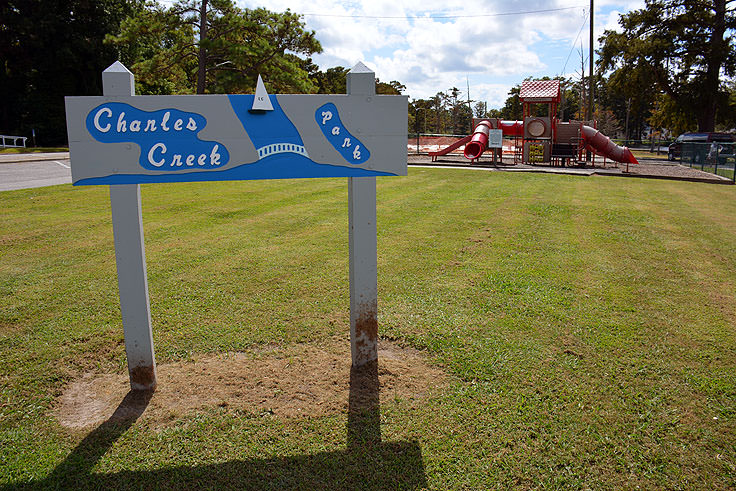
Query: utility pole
(470,108)
(583,112)
(592,76)
(591,81)
(560,110)
(626,130)
(202,51)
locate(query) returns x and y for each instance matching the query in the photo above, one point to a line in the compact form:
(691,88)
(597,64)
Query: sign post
(363,244)
(123,140)
(130,257)
(495,143)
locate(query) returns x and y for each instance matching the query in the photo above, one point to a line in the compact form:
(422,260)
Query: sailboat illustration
(266,124)
(262,101)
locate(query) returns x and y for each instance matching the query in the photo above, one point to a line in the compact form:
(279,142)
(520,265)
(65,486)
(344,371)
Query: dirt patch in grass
(295,382)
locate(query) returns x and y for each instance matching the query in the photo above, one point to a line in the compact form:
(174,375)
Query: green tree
(681,48)
(667,114)
(727,116)
(158,45)
(512,109)
(439,104)
(52,49)
(331,81)
(215,46)
(569,107)
(479,110)
(391,88)
(461,115)
(420,114)
(630,96)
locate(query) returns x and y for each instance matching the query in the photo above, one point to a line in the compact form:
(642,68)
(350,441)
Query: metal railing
(417,140)
(656,146)
(14,139)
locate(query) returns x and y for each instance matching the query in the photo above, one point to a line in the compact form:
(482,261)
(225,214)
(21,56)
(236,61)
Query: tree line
(449,113)
(670,67)
(54,49)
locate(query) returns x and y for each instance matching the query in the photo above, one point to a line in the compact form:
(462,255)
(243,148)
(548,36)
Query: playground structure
(540,139)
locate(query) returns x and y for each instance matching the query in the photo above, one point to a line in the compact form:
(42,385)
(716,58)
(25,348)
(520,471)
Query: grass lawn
(722,170)
(33,149)
(646,154)
(585,327)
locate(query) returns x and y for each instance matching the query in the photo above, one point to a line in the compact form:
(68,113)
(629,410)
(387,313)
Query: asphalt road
(34,174)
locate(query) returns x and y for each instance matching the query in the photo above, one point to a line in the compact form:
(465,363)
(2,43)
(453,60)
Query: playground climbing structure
(541,139)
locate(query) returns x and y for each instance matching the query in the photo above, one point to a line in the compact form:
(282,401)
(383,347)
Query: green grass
(586,324)
(723,171)
(33,150)
(646,154)
(727,173)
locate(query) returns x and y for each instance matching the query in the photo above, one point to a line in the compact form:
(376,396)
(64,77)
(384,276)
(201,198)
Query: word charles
(167,138)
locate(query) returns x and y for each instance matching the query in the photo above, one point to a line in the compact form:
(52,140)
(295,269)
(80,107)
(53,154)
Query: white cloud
(399,40)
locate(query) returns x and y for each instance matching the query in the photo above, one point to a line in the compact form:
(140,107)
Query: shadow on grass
(366,463)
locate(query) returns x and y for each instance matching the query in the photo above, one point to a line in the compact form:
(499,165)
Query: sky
(433,45)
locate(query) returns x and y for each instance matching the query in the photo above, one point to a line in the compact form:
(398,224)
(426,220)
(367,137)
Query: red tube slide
(601,144)
(512,128)
(479,141)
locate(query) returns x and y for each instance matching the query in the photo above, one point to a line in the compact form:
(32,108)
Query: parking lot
(23,171)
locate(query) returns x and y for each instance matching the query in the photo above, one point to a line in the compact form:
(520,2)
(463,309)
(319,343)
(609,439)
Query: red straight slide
(445,151)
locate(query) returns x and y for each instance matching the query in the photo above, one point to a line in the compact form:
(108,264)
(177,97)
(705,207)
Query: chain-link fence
(656,147)
(717,158)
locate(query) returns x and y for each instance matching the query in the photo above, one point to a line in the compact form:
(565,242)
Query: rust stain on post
(143,378)
(365,341)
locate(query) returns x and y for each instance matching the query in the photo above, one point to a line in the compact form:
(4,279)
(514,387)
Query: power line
(585,18)
(436,17)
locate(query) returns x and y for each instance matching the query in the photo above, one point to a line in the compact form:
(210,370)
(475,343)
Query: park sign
(124,140)
(144,139)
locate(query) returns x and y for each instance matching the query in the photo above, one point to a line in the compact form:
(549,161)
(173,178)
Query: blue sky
(433,45)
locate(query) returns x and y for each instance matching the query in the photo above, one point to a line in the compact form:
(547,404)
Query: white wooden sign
(235,137)
(123,140)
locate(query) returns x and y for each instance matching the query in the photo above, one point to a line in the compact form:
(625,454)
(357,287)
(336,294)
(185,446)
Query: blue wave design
(328,120)
(265,128)
(279,166)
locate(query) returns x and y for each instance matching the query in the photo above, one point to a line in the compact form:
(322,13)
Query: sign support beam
(130,257)
(361,81)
